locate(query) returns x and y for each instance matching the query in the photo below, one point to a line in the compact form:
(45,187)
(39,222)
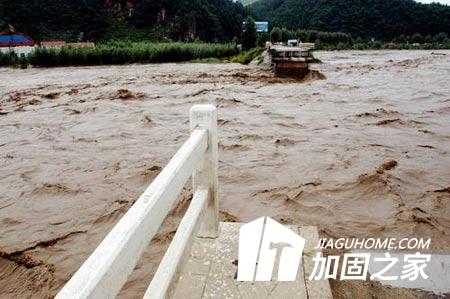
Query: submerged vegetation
(121,53)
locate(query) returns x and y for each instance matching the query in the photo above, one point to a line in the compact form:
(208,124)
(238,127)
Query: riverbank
(117,53)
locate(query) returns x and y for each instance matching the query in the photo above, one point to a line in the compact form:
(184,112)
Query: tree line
(335,40)
(382,20)
(340,40)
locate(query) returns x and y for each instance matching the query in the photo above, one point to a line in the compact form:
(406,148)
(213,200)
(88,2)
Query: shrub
(360,46)
(247,56)
(376,45)
(417,38)
(263,37)
(8,59)
(440,37)
(23,61)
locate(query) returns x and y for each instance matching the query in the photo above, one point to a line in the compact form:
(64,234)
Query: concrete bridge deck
(209,270)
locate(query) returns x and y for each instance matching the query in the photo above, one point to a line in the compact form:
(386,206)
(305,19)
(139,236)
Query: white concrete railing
(103,274)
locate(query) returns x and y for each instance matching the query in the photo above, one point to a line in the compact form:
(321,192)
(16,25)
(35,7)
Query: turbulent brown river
(362,151)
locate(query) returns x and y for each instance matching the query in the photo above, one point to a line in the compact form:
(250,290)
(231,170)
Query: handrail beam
(172,260)
(103,274)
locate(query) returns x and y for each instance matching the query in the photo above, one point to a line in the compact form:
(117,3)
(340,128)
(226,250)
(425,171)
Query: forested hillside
(184,20)
(380,19)
(218,20)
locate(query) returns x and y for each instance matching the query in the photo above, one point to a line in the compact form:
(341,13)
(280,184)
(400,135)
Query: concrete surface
(209,270)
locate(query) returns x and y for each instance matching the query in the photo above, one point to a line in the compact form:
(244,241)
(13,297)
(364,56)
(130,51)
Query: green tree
(446,43)
(263,37)
(275,35)
(417,38)
(3,26)
(440,37)
(401,39)
(285,35)
(249,34)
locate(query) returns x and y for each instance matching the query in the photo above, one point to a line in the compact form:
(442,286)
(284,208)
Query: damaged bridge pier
(291,61)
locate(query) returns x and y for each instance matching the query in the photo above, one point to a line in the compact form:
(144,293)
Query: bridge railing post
(205,117)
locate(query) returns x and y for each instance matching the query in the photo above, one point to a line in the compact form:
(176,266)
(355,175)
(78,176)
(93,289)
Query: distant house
(61,43)
(15,39)
(81,45)
(52,43)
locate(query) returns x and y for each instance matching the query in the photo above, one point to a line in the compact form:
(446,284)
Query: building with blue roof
(15,39)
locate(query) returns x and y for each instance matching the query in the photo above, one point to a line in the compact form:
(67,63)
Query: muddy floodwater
(362,151)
